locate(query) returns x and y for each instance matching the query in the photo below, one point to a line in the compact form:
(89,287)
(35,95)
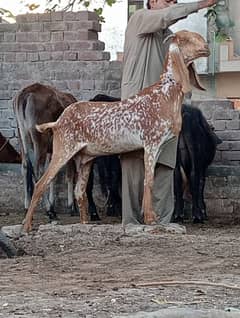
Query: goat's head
(184,48)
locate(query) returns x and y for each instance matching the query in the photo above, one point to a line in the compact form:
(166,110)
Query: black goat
(109,171)
(196,150)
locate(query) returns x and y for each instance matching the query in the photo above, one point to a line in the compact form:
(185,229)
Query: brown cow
(7,153)
(145,121)
(37,104)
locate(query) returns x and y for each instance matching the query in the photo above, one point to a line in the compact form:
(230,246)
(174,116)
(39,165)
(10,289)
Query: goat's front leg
(149,164)
(83,171)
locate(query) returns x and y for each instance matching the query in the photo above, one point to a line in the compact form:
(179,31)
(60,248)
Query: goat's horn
(171,36)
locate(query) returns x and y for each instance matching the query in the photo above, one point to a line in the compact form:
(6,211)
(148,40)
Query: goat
(197,145)
(144,121)
(109,170)
(197,139)
(37,104)
(7,153)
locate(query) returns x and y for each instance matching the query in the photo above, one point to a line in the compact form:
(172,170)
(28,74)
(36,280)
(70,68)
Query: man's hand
(206,3)
(211,2)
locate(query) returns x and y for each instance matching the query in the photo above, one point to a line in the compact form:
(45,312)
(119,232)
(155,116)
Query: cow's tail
(43,127)
(20,104)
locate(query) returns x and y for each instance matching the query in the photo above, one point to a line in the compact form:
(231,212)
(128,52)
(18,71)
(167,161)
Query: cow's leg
(27,173)
(49,197)
(83,171)
(149,165)
(26,167)
(70,176)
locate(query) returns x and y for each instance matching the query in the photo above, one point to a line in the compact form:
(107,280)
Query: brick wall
(222,194)
(226,121)
(223,176)
(60,49)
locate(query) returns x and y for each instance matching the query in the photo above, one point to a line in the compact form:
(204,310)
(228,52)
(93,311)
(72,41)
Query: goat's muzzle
(205,51)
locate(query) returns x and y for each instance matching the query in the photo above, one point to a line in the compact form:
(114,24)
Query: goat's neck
(168,93)
(168,71)
(167,85)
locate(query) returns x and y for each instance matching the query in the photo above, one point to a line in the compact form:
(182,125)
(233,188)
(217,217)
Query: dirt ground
(98,270)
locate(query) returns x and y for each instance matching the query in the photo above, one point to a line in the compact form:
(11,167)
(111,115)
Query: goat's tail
(43,127)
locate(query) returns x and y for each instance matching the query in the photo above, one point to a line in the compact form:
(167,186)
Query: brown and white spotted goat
(145,121)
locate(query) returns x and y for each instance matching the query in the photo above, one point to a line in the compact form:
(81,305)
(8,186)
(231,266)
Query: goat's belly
(118,145)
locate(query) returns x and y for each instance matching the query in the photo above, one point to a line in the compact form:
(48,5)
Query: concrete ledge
(16,167)
(183,313)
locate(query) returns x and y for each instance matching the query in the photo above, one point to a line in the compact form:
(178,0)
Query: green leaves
(6,13)
(110,2)
(218,15)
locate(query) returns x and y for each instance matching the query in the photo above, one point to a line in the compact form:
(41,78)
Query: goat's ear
(194,78)
(179,68)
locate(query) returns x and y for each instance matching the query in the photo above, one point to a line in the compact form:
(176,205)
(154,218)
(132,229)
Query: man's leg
(163,193)
(132,189)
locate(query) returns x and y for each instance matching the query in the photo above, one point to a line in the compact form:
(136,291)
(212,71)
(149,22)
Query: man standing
(144,54)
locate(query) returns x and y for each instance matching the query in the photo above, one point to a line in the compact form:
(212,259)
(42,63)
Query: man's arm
(150,21)
(206,3)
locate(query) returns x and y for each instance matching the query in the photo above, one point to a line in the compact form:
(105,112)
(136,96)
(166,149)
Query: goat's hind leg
(41,186)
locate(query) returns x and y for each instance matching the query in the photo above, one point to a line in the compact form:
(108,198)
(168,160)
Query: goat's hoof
(205,216)
(110,210)
(27,227)
(73,212)
(73,209)
(95,217)
(114,210)
(178,219)
(150,220)
(84,222)
(198,220)
(52,216)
